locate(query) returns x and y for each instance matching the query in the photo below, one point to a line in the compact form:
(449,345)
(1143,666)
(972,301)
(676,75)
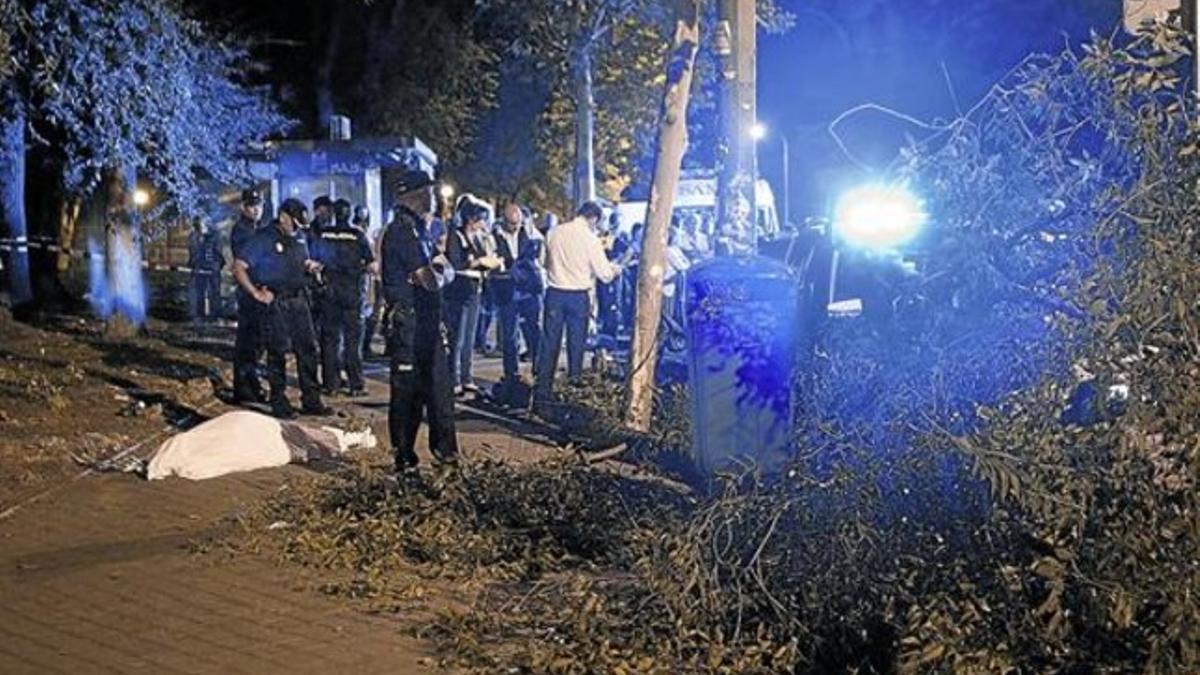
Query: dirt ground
(99,573)
(68,396)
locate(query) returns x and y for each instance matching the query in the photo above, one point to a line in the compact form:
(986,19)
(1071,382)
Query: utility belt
(290,294)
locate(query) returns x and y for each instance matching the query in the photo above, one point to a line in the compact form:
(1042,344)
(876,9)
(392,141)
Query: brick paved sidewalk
(97,577)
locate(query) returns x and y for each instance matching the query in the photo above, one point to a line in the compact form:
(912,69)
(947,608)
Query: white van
(697,193)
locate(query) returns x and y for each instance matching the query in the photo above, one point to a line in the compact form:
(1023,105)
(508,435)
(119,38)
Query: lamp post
(758,131)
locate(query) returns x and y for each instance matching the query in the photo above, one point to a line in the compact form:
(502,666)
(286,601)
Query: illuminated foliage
(139,85)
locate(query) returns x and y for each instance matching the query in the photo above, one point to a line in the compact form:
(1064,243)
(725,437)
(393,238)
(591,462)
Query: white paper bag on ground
(244,441)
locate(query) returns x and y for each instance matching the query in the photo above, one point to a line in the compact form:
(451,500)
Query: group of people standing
(303,284)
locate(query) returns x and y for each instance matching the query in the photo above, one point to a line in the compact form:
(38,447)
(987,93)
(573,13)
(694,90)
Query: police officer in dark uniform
(413,276)
(322,219)
(273,269)
(344,254)
(322,214)
(248,345)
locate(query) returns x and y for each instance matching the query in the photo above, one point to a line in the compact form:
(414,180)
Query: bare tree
(672,143)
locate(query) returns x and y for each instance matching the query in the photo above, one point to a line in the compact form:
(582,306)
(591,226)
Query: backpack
(527,274)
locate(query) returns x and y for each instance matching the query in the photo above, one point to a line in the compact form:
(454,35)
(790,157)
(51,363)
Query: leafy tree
(447,82)
(604,63)
(135,91)
(584,47)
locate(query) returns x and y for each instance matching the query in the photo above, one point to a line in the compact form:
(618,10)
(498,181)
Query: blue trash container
(743,327)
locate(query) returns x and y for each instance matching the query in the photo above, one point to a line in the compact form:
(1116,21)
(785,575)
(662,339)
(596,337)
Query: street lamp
(758,131)
(141,198)
(447,191)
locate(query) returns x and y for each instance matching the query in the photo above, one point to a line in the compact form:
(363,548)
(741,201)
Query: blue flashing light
(878,217)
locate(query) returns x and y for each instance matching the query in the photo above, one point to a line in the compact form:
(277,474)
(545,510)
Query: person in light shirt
(575,261)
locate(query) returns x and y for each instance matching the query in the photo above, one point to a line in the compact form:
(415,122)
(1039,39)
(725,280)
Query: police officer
(273,269)
(322,214)
(413,276)
(248,344)
(344,254)
(322,219)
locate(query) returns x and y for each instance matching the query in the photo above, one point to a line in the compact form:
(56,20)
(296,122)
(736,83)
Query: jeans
(525,313)
(462,319)
(206,294)
(569,311)
(487,316)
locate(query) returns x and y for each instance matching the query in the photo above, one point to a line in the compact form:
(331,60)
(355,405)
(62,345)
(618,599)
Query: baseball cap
(296,209)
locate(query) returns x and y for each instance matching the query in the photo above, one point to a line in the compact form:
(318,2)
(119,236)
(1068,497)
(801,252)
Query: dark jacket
(416,312)
(462,252)
(204,251)
(242,230)
(345,252)
(276,260)
(522,271)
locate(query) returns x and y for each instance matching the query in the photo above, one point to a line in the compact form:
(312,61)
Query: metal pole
(787,187)
(736,43)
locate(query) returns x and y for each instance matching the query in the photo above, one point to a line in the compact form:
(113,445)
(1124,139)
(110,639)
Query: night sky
(843,53)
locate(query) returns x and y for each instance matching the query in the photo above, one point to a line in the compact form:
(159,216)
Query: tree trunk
(329,47)
(12,199)
(585,129)
(124,292)
(672,143)
(384,22)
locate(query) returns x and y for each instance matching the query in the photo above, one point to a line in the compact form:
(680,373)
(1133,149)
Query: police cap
(411,181)
(251,197)
(296,209)
(323,200)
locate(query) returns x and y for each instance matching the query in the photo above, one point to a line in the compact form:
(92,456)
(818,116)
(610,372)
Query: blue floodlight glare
(878,217)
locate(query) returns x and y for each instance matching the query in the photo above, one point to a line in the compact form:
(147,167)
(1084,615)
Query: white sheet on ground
(244,441)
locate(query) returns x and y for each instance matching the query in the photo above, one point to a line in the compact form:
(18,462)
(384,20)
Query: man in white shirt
(575,260)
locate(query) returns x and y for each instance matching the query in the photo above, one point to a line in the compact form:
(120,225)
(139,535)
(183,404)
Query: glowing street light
(447,191)
(141,198)
(878,217)
(758,131)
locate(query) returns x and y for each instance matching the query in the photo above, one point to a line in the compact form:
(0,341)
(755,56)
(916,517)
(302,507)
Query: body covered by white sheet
(244,441)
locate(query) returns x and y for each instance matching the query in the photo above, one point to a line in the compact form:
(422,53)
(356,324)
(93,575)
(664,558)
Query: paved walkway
(98,577)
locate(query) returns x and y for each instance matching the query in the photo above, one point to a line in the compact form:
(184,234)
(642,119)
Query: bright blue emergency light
(878,217)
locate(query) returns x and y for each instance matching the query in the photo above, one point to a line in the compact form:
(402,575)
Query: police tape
(50,245)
